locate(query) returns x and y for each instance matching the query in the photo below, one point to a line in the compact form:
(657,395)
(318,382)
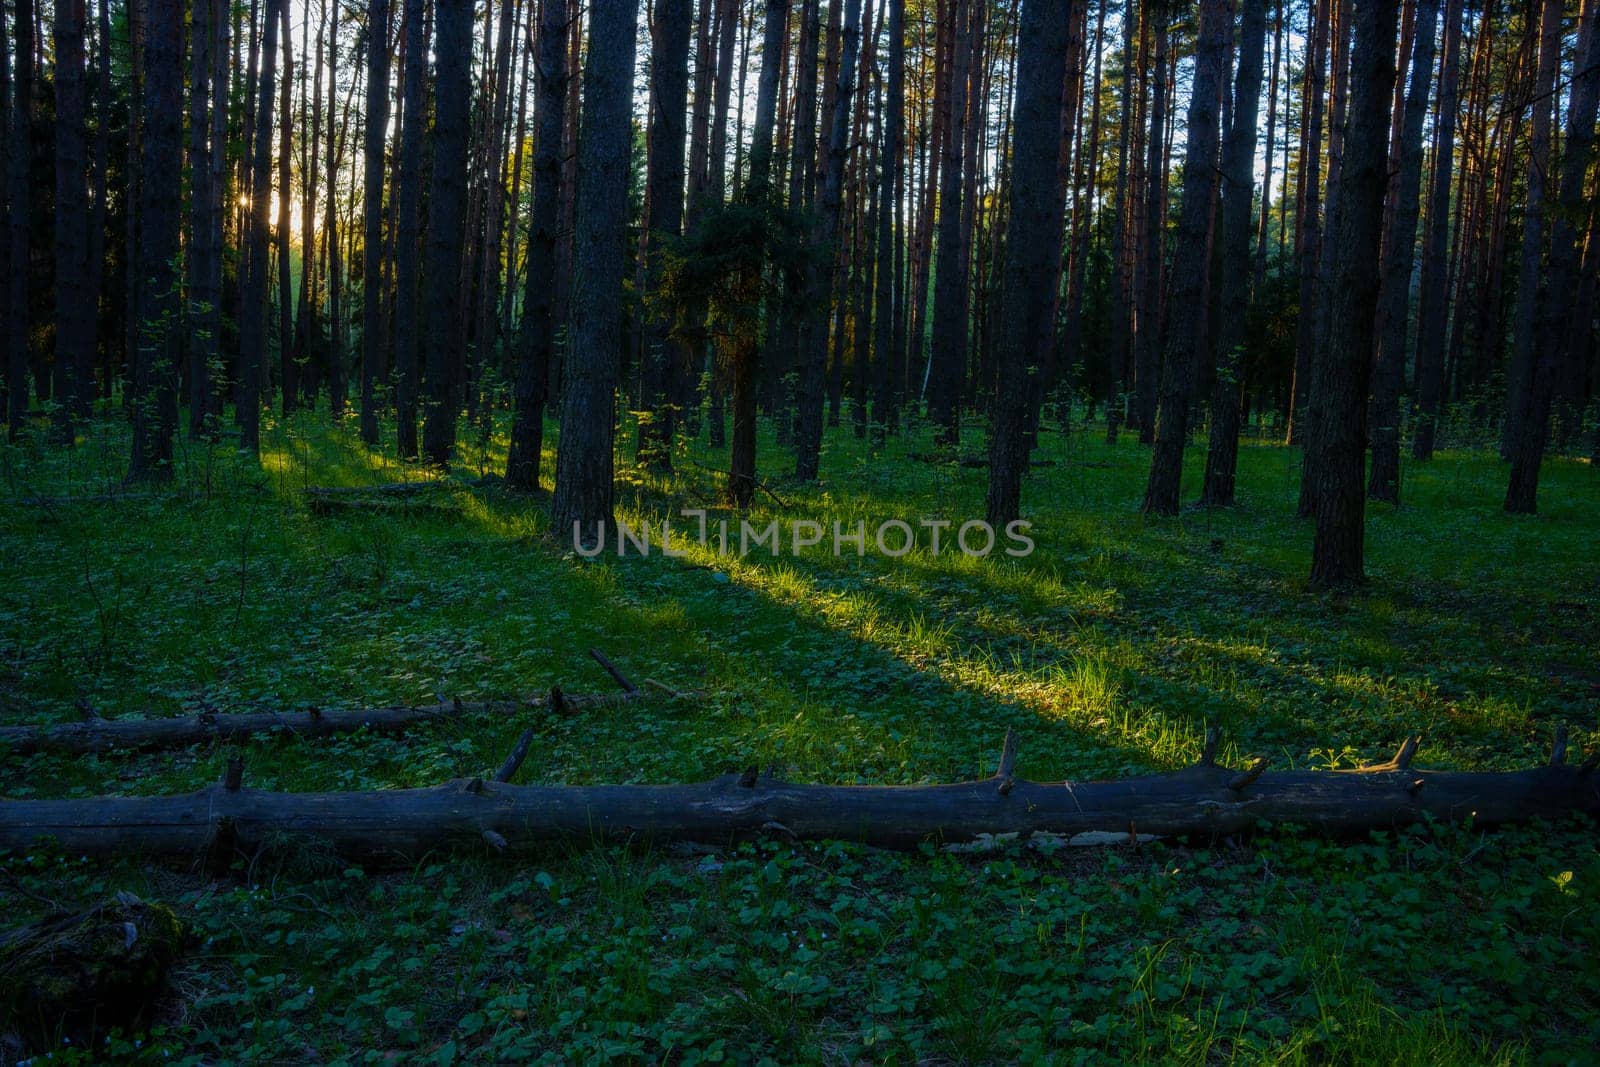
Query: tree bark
(1033,252)
(337,385)
(886,353)
(1344,370)
(108,735)
(582,500)
(820,292)
(663,360)
(1206,800)
(1519,437)
(377,125)
(288,357)
(1147,341)
(1399,254)
(1309,220)
(75,312)
(1121,326)
(1189,342)
(757,193)
(947,361)
(155,379)
(1565,325)
(19,159)
(1433,299)
(203,245)
(1238,185)
(447,193)
(407,317)
(253,289)
(537,337)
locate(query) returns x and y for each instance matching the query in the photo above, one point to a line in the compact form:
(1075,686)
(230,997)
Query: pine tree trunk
(1259,275)
(1189,341)
(1432,301)
(155,378)
(1028,296)
(75,312)
(1565,323)
(886,354)
(407,317)
(947,361)
(377,124)
(664,361)
(1121,306)
(537,336)
(1344,371)
(1147,357)
(1238,159)
(1537,360)
(1309,222)
(97,219)
(447,196)
(1521,402)
(337,386)
(19,159)
(253,289)
(1399,254)
(583,487)
(820,288)
(288,358)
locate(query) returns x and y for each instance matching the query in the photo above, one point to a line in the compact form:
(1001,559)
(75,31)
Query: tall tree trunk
(1564,323)
(97,219)
(1537,360)
(19,159)
(288,358)
(372,210)
(663,357)
(253,290)
(886,354)
(947,362)
(75,310)
(583,489)
(1259,276)
(487,349)
(1520,400)
(1028,297)
(820,293)
(1121,304)
(1432,301)
(407,320)
(1189,342)
(337,387)
(1238,178)
(155,378)
(537,336)
(1147,369)
(1309,223)
(1399,254)
(1344,370)
(307,332)
(447,193)
(756,192)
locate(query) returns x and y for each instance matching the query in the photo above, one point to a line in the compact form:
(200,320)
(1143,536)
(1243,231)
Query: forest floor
(1109,651)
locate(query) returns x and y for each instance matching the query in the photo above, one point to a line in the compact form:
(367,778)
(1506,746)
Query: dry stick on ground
(1204,800)
(96,734)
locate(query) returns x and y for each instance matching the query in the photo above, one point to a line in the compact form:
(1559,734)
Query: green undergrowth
(1109,650)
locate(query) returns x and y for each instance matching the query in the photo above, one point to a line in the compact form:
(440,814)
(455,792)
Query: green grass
(1109,650)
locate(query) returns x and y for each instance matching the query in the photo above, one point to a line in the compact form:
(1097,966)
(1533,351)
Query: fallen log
(95,734)
(1203,800)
